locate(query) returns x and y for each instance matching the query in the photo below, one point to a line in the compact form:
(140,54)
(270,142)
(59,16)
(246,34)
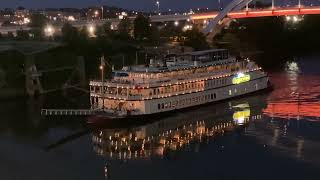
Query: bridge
(251,13)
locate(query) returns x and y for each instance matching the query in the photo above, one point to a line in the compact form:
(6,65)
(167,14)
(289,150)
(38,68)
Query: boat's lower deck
(170,103)
(203,97)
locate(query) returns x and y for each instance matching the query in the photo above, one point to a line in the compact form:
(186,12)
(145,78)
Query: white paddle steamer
(176,82)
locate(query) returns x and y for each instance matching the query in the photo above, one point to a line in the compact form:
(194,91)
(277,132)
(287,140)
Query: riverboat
(175,82)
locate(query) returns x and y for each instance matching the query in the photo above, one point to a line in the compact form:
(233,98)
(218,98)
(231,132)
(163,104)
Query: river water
(272,135)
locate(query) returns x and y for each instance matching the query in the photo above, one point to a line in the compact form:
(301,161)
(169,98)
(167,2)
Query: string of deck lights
(164,85)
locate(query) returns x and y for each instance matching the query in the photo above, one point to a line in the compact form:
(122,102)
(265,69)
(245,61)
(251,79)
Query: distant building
(21,16)
(6,15)
(94,13)
(62,15)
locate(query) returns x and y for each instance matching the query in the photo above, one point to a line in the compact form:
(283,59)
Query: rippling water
(272,135)
(297,92)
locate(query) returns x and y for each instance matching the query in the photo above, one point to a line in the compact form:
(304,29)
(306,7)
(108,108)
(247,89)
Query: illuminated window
(230,92)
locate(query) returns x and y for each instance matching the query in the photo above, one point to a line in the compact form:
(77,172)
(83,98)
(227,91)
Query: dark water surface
(272,135)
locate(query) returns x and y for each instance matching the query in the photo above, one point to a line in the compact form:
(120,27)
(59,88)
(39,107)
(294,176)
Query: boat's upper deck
(178,68)
(173,62)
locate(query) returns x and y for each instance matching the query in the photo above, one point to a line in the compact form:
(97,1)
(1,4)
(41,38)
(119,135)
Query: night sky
(145,5)
(129,4)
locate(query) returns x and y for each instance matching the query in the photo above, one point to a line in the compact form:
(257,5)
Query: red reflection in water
(296,95)
(292,110)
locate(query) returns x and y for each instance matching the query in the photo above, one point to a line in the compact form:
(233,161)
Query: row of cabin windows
(235,90)
(218,82)
(187,101)
(121,91)
(232,67)
(176,88)
(157,91)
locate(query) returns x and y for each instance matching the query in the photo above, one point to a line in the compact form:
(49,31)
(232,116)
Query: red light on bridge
(204,16)
(275,12)
(260,13)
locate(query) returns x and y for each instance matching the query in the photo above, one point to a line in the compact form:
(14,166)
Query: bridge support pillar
(32,83)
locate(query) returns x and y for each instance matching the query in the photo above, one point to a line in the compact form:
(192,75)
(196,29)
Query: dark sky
(129,4)
(146,5)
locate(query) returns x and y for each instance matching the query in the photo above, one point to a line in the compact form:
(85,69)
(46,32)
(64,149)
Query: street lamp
(102,12)
(158,4)
(220,7)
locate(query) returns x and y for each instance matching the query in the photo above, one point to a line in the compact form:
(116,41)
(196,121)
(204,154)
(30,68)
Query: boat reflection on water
(176,133)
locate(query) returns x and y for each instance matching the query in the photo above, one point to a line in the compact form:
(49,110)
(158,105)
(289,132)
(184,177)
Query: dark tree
(125,28)
(37,24)
(10,35)
(104,30)
(38,21)
(142,28)
(195,39)
(22,35)
(154,36)
(37,33)
(69,33)
(170,30)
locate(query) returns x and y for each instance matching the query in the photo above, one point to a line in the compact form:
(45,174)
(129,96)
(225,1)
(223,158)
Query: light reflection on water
(186,132)
(292,113)
(169,134)
(296,94)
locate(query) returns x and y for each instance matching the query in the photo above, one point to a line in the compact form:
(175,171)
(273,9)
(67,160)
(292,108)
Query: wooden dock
(67,112)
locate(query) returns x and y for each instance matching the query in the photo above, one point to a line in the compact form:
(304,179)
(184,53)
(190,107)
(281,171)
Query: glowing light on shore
(91,30)
(49,30)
